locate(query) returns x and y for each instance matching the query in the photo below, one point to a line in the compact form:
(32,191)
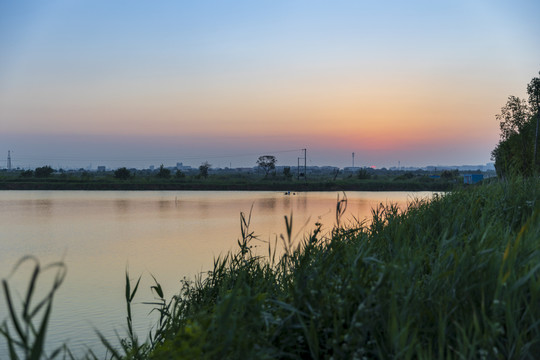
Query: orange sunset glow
(417,82)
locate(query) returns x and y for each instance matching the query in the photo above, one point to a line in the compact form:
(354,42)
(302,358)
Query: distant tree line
(40,172)
(517,151)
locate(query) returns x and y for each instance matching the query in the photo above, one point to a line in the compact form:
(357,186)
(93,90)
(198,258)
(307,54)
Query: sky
(132,83)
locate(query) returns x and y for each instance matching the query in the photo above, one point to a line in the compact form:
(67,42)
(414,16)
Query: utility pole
(353,160)
(9,160)
(298,170)
(305,164)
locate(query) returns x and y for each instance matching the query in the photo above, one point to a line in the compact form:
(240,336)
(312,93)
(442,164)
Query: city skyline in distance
(284,158)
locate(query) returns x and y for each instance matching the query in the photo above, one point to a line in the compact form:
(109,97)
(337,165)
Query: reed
(26,328)
(454,277)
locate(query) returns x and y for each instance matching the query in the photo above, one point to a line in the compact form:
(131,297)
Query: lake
(168,234)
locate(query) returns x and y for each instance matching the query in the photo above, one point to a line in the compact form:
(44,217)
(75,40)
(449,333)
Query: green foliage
(363,174)
(25,335)
(533,89)
(224,182)
(381,180)
(203,169)
(43,172)
(513,117)
(85,175)
(406,176)
(287,172)
(267,163)
(450,174)
(516,153)
(163,173)
(122,173)
(454,277)
(179,174)
(27,174)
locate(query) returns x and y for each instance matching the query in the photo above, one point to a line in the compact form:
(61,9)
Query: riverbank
(227,185)
(46,178)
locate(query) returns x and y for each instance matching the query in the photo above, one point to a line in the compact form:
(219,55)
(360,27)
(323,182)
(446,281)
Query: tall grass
(455,277)
(26,331)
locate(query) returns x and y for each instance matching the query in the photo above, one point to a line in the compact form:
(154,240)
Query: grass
(457,277)
(26,336)
(319,182)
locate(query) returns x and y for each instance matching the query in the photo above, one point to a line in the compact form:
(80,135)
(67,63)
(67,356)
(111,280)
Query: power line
(156,158)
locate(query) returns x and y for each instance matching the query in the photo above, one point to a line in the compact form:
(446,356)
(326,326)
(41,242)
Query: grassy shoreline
(366,185)
(457,277)
(366,180)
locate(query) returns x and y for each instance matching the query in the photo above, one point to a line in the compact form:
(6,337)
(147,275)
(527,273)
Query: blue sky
(132,82)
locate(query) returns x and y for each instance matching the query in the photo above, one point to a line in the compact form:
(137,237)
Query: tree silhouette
(163,173)
(122,173)
(533,89)
(267,163)
(44,171)
(203,169)
(287,172)
(516,152)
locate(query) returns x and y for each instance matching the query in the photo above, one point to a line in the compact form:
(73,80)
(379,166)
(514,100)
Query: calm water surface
(169,234)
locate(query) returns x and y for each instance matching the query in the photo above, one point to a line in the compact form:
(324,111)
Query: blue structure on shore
(472,178)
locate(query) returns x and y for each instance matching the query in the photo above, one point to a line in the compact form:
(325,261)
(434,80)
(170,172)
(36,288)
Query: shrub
(122,173)
(43,172)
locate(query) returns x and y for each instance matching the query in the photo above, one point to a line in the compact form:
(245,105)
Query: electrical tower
(353,160)
(9,160)
(305,164)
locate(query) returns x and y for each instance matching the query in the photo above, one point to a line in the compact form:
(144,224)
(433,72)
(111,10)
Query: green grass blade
(10,342)
(30,291)
(13,315)
(37,349)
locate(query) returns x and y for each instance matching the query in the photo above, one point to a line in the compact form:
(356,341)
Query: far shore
(209,186)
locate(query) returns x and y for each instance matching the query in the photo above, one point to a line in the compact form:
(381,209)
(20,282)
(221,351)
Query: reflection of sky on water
(171,235)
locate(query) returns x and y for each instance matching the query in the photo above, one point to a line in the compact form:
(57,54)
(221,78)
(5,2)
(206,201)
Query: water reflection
(302,202)
(122,205)
(203,207)
(267,204)
(165,205)
(42,207)
(168,234)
